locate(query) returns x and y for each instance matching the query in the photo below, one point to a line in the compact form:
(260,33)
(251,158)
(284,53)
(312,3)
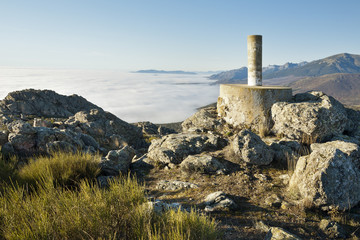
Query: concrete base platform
(250,106)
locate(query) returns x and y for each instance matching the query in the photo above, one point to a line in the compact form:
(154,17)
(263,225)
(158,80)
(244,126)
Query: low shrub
(64,168)
(119,212)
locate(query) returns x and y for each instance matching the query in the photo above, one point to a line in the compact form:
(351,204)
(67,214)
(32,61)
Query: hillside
(340,63)
(253,185)
(343,86)
(232,76)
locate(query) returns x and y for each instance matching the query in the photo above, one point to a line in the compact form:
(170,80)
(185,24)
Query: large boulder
(249,147)
(110,131)
(174,148)
(284,150)
(313,117)
(202,164)
(203,120)
(44,103)
(25,140)
(329,177)
(3,137)
(117,161)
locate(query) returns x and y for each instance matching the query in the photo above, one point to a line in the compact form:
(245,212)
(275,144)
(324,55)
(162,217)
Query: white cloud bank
(132,97)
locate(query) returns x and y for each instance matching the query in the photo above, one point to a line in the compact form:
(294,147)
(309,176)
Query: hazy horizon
(133,97)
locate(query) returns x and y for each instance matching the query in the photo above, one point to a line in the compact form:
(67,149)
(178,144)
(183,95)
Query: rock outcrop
(277,233)
(249,147)
(61,123)
(313,117)
(329,177)
(202,164)
(110,131)
(218,201)
(25,140)
(202,121)
(117,161)
(174,148)
(44,103)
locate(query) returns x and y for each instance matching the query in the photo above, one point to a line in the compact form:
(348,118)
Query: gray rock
(50,139)
(22,143)
(329,176)
(273,200)
(117,161)
(142,164)
(276,233)
(3,137)
(44,103)
(38,122)
(313,117)
(7,149)
(151,129)
(203,120)
(218,201)
(332,229)
(103,126)
(89,141)
(260,225)
(202,164)
(20,127)
(249,147)
(59,146)
(174,148)
(160,207)
(174,185)
(284,149)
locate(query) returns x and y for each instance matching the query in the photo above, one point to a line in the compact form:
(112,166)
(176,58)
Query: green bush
(64,168)
(119,212)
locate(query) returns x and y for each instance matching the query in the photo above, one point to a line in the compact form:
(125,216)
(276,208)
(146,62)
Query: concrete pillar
(254,47)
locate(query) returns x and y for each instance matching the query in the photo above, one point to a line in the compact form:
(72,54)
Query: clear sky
(172,34)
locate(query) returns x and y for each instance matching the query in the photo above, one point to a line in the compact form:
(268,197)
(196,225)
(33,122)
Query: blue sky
(171,35)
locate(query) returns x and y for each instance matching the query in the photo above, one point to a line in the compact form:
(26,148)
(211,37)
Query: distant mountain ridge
(165,72)
(340,63)
(345,87)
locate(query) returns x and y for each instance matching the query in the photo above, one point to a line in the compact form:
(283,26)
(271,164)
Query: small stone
(249,146)
(332,229)
(276,233)
(261,177)
(273,201)
(260,225)
(174,185)
(218,201)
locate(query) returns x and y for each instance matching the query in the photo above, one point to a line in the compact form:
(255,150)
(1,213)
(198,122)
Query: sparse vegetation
(65,169)
(55,211)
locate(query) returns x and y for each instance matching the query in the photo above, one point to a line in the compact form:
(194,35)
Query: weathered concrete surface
(250,106)
(254,48)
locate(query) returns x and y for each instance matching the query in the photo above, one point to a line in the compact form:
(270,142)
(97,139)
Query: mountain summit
(340,63)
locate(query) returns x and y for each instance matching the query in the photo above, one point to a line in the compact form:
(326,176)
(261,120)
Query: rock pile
(314,132)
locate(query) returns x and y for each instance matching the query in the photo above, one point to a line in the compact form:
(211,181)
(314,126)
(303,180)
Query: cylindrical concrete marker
(254,47)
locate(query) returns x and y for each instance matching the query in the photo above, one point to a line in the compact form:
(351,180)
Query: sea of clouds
(133,97)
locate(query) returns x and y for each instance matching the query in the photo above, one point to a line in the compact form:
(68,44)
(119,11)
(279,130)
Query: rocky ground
(301,180)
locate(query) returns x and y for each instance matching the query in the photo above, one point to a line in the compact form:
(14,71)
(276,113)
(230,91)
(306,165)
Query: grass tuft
(121,211)
(65,169)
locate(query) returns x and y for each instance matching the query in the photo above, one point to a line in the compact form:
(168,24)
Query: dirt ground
(251,187)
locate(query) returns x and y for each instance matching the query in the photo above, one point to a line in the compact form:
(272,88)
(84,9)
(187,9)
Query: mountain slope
(340,63)
(345,87)
(232,76)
